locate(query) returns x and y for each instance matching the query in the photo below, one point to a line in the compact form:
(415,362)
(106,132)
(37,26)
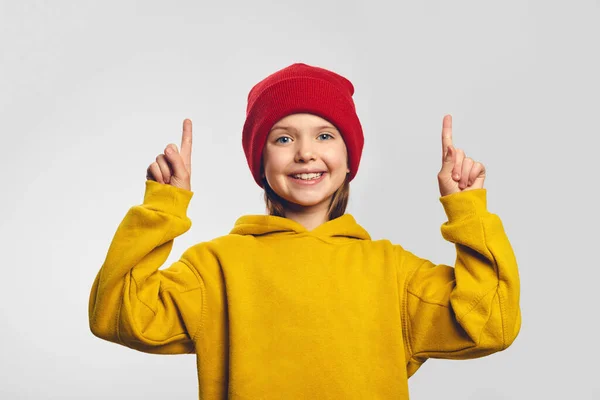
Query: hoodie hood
(341,228)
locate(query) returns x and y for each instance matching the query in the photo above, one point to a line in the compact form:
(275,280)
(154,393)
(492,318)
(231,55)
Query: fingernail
(169,150)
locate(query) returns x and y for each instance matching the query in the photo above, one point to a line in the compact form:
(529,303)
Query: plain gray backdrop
(92,92)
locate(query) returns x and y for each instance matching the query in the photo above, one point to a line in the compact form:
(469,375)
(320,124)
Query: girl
(301,303)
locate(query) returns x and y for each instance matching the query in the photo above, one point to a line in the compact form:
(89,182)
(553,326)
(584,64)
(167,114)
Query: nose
(305,151)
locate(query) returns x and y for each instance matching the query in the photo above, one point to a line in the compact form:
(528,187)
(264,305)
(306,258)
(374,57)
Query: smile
(312,181)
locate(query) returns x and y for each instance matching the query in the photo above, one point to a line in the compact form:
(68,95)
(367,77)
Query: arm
(471,310)
(132,302)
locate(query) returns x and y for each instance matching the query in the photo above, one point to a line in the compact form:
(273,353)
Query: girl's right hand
(174,167)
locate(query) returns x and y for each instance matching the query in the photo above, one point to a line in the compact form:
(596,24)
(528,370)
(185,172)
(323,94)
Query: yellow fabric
(274,311)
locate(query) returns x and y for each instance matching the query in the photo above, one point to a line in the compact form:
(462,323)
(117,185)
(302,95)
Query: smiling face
(305,143)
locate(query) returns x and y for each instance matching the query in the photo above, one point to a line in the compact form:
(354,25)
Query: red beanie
(301,88)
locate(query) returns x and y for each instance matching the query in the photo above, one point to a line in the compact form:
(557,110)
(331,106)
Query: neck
(308,217)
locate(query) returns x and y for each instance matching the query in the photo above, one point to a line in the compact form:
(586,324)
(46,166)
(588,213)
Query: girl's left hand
(458,173)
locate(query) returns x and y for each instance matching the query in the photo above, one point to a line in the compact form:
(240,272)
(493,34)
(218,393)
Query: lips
(306,172)
(308,182)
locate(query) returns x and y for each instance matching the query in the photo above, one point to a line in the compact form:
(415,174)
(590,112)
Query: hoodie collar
(344,226)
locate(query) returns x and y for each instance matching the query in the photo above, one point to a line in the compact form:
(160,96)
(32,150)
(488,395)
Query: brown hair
(337,207)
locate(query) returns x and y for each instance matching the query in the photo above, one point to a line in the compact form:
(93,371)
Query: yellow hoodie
(275,311)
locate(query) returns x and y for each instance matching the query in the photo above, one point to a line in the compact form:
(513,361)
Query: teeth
(308,176)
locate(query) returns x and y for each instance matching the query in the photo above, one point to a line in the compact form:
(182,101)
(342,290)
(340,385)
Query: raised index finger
(446,134)
(186,143)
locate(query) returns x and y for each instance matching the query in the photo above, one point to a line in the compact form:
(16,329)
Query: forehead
(302,121)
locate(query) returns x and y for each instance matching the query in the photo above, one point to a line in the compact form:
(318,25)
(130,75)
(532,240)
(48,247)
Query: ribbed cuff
(167,198)
(461,204)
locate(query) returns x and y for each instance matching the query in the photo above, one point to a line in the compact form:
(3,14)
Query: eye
(328,134)
(283,137)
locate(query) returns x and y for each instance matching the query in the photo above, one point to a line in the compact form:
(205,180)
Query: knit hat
(301,88)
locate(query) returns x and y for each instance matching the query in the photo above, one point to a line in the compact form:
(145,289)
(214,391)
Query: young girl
(301,303)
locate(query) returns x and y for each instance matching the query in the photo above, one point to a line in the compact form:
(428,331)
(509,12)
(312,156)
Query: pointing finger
(446,134)
(186,144)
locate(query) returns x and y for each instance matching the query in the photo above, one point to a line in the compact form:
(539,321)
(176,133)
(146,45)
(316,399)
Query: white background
(92,92)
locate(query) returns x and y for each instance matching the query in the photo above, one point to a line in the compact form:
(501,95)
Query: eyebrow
(293,129)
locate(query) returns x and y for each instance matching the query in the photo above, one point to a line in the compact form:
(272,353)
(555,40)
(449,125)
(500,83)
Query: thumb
(448,163)
(179,169)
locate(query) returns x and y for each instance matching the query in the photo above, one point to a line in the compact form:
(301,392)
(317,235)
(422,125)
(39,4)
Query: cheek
(335,157)
(273,161)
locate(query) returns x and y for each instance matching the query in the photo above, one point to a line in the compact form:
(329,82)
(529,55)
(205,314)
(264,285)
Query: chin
(307,199)
(306,203)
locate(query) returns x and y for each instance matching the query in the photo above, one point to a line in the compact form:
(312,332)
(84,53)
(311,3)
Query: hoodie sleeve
(132,302)
(471,310)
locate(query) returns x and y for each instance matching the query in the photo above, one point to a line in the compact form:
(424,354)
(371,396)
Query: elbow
(507,335)
(96,329)
(497,334)
(512,331)
(98,321)
(103,330)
